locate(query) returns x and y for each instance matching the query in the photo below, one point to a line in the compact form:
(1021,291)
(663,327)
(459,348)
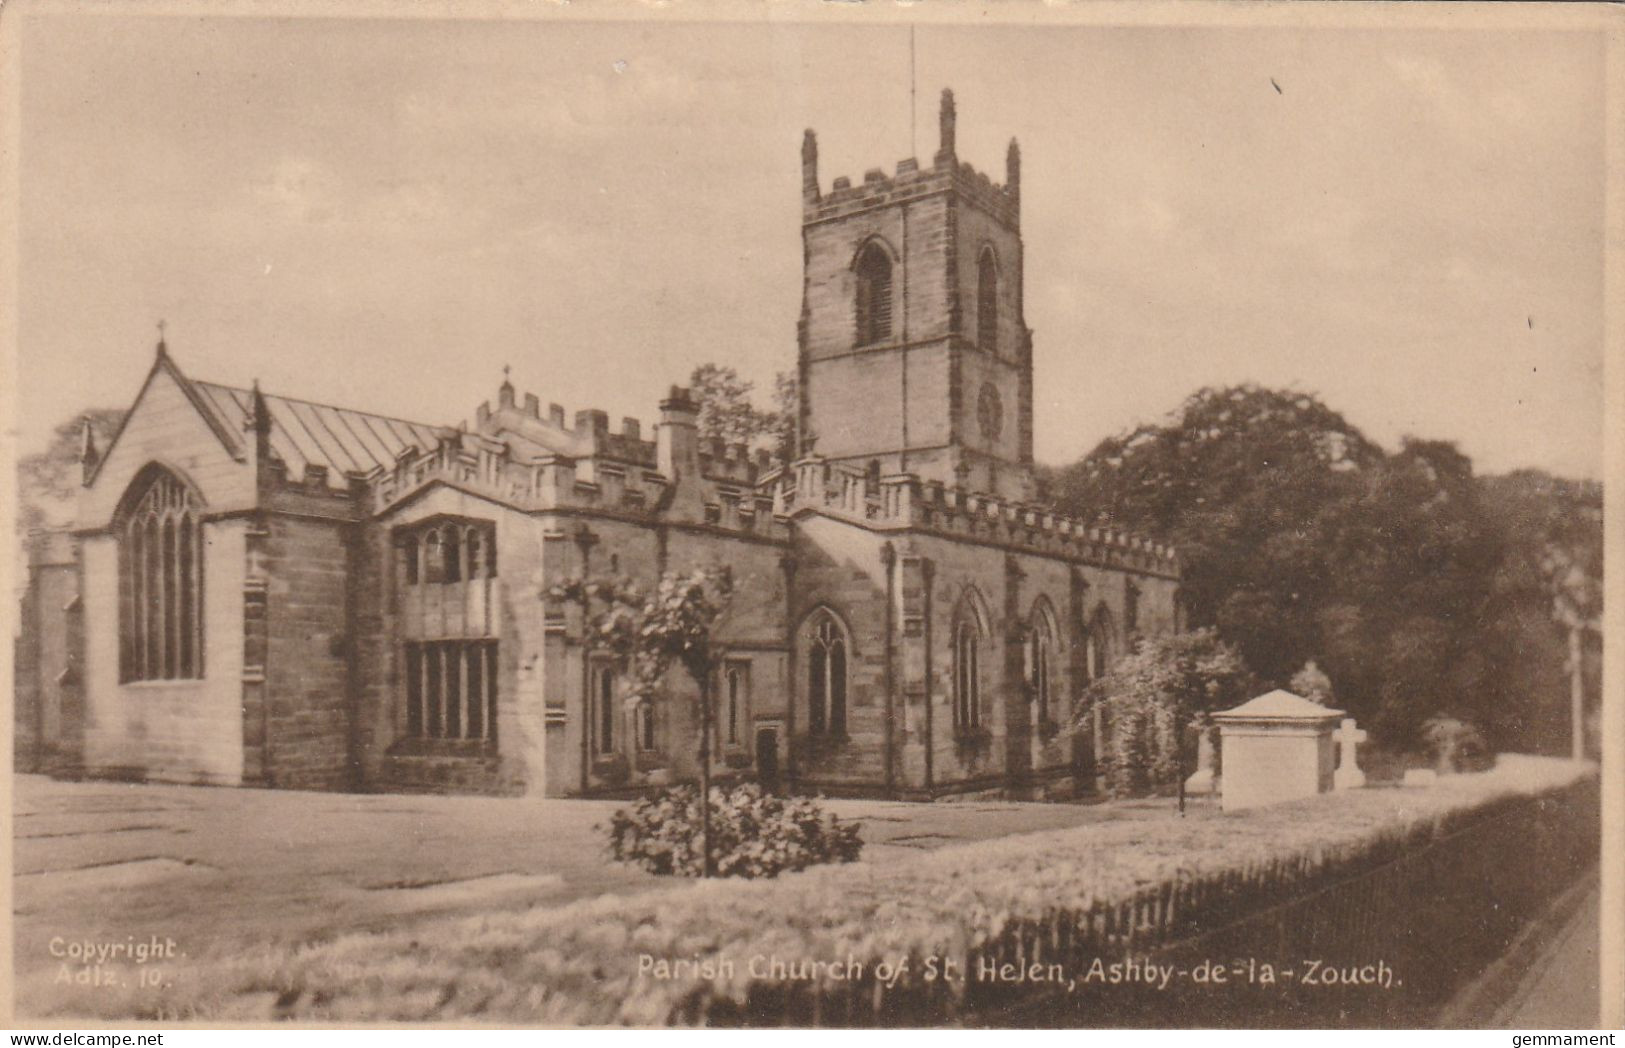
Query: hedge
(1133,883)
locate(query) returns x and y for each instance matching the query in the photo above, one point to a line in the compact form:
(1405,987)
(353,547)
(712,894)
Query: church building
(268,591)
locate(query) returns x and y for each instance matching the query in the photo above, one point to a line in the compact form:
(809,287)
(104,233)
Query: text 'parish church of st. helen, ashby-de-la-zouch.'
(267,591)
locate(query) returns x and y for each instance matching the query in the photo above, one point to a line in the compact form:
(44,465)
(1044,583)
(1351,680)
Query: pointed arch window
(1041,662)
(967,674)
(160,582)
(874,304)
(647,739)
(1097,654)
(987,300)
(827,677)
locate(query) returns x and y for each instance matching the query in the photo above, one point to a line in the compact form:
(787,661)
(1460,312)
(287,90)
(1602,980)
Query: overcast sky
(382,214)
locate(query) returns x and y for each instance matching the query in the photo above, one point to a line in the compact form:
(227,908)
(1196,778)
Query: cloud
(301,189)
(308,192)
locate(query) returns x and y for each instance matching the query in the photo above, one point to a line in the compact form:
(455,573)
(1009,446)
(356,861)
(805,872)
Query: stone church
(268,591)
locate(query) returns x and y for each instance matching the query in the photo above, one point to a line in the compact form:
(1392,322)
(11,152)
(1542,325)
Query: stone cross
(1201,781)
(1348,775)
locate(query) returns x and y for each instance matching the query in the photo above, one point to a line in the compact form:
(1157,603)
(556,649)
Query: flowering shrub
(753,834)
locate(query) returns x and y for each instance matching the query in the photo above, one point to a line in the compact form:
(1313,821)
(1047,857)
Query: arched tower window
(987,300)
(827,651)
(874,304)
(160,553)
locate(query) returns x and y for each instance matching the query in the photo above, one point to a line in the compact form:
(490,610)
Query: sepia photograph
(765,516)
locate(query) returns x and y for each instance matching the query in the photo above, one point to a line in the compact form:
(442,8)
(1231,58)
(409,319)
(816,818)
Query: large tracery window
(987,300)
(874,304)
(160,545)
(827,677)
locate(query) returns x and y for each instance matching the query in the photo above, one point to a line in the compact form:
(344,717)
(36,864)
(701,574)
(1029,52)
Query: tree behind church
(48,481)
(728,410)
(1415,585)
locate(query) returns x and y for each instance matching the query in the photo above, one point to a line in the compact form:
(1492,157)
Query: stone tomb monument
(1277,747)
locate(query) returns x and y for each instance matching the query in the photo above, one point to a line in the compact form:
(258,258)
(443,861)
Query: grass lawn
(223,872)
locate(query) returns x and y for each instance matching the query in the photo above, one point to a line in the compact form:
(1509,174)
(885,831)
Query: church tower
(914,352)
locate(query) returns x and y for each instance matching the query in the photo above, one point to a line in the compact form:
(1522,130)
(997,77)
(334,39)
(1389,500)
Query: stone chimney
(677,452)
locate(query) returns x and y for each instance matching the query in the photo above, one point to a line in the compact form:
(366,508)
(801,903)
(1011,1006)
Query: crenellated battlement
(904,501)
(911,181)
(611,483)
(529,432)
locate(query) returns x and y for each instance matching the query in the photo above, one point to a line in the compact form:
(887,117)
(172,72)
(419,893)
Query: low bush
(753,834)
(1455,745)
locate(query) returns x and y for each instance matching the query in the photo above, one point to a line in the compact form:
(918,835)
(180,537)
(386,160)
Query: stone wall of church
(167,730)
(935,582)
(307,667)
(47,703)
(393,612)
(753,633)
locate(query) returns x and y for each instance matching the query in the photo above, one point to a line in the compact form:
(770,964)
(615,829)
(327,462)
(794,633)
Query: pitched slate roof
(306,433)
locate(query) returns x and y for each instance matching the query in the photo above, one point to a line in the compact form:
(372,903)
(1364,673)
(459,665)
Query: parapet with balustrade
(904,501)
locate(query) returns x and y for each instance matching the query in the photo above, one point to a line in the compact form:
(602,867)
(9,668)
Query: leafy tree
(1242,480)
(47,482)
(1549,581)
(1418,586)
(649,633)
(728,412)
(1154,696)
(786,408)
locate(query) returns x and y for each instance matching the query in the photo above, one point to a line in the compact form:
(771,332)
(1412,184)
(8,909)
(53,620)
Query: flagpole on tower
(913,91)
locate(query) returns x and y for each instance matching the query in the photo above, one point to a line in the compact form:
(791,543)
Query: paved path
(1559,992)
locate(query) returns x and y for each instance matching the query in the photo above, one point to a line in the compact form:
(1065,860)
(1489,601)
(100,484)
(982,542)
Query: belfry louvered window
(874,304)
(160,579)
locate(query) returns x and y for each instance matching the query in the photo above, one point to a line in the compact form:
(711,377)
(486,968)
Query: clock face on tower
(989,411)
